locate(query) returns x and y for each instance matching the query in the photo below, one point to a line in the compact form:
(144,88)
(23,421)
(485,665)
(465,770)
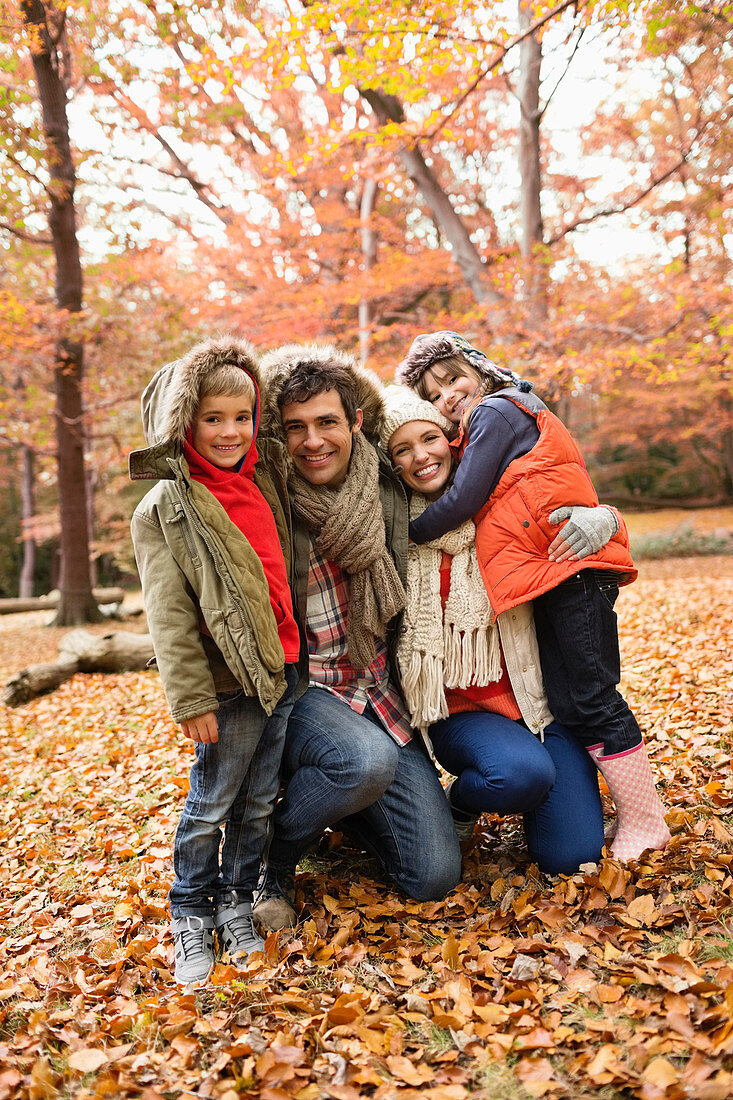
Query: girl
(518,464)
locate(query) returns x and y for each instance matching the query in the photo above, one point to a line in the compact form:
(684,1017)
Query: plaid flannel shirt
(330,668)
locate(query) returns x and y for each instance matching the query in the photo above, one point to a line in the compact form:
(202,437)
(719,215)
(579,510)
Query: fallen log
(80,651)
(12,604)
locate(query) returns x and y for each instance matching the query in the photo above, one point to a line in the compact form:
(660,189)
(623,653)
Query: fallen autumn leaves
(613,983)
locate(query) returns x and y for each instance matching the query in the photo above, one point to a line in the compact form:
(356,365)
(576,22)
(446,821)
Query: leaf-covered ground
(614,983)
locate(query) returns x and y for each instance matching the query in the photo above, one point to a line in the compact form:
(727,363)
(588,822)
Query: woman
(475,686)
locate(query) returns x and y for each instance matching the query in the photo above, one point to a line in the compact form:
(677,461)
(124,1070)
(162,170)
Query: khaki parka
(200,576)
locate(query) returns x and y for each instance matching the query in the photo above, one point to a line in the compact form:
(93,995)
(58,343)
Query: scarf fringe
(422,687)
(455,647)
(472,659)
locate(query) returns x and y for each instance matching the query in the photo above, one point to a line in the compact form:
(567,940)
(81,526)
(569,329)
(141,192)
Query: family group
(352,585)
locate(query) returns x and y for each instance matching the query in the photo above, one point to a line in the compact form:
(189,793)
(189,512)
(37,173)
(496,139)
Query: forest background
(552,180)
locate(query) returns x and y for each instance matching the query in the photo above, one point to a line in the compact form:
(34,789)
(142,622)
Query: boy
(208,541)
(518,465)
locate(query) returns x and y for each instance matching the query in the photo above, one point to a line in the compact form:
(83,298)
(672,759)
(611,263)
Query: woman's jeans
(343,769)
(502,768)
(234,784)
(577,635)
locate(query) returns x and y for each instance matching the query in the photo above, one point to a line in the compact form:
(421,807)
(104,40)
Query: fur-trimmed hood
(171,398)
(278,365)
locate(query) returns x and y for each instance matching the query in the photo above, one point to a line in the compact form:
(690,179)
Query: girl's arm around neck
(498,433)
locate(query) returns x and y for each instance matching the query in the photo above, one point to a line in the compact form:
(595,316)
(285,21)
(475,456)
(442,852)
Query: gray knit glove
(587,529)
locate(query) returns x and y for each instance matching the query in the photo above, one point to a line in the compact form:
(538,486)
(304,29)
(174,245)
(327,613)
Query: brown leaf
(87,1060)
(43,1081)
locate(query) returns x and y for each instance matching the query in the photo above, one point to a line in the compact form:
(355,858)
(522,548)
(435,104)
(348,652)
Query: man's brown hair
(310,378)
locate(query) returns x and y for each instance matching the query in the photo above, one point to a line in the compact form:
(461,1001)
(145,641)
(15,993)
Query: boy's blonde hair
(228,380)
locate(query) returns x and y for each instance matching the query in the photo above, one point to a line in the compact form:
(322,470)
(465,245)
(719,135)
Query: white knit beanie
(401,405)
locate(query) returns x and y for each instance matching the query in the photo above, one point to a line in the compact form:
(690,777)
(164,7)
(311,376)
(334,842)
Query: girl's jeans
(234,783)
(577,636)
(502,768)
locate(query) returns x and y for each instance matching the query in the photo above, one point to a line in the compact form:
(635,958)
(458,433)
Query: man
(351,759)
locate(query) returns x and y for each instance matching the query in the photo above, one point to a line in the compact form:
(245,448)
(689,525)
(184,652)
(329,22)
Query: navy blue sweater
(498,432)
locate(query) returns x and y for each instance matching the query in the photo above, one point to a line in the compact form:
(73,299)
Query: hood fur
(278,365)
(171,398)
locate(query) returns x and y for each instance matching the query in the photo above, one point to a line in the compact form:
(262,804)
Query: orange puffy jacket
(513,530)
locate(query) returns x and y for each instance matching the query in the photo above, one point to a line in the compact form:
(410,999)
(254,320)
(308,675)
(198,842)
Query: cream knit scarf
(455,647)
(347,527)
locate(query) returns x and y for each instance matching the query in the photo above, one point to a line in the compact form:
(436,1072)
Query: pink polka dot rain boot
(640,812)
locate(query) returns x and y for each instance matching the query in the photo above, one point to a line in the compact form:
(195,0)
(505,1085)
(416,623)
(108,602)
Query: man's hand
(587,530)
(202,729)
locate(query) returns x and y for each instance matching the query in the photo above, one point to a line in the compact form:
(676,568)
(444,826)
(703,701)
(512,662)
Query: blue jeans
(344,769)
(577,634)
(502,768)
(234,784)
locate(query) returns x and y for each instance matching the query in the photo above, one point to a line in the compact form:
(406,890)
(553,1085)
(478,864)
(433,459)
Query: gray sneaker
(193,937)
(274,907)
(235,930)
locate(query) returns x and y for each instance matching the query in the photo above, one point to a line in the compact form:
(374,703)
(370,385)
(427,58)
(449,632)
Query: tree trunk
(369,258)
(11,606)
(388,108)
(27,506)
(80,651)
(76,604)
(530,61)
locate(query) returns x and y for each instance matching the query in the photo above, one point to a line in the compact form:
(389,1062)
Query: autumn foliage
(615,982)
(352,173)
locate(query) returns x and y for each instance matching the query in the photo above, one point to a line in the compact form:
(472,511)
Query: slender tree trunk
(388,108)
(91,490)
(76,604)
(369,258)
(27,511)
(530,61)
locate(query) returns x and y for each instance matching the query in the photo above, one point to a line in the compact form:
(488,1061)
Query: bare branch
(25,236)
(145,123)
(621,208)
(497,59)
(562,75)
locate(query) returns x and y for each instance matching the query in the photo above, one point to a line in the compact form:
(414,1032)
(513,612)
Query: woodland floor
(613,983)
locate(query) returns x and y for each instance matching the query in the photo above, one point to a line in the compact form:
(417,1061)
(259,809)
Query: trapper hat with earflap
(430,347)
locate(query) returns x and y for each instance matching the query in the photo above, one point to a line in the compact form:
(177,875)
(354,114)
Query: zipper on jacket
(182,520)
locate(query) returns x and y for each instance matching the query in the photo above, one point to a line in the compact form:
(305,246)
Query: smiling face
(422,456)
(223,428)
(451,389)
(319,437)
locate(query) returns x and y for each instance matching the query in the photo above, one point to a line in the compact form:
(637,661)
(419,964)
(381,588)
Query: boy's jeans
(344,769)
(577,636)
(234,783)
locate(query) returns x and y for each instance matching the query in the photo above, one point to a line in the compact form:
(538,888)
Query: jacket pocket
(188,539)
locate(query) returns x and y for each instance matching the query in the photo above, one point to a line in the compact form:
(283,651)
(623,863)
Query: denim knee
(364,767)
(439,873)
(568,854)
(523,790)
